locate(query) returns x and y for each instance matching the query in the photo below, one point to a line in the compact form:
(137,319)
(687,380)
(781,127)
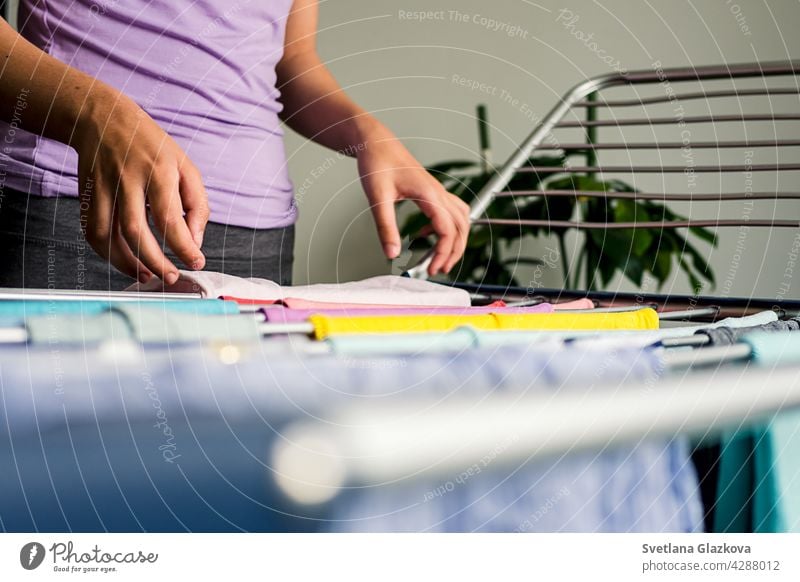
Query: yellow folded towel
(641,319)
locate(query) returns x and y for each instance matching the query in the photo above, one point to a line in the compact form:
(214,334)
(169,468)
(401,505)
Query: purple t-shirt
(203,69)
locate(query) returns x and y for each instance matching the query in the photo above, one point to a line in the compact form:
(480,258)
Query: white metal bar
(72,295)
(689,341)
(619,309)
(713,355)
(13,335)
(373,444)
(687,314)
(286,328)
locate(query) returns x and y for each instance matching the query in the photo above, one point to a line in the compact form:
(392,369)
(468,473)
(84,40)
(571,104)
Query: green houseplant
(603,254)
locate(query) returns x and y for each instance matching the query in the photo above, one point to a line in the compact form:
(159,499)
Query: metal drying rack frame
(582,96)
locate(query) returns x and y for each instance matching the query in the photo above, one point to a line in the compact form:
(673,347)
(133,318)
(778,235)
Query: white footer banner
(400,557)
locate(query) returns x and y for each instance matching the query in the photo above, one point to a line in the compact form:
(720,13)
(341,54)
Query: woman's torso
(203,69)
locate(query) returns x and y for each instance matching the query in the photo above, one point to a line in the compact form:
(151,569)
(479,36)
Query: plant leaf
(523,261)
(662,266)
(607,269)
(634,269)
(629,211)
(704,234)
(699,263)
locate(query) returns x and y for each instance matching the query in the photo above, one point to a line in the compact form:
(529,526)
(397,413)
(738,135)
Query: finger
(383,212)
(195,202)
(444,227)
(462,231)
(122,256)
(426,230)
(462,225)
(132,221)
(167,213)
(97,218)
(463,207)
(454,251)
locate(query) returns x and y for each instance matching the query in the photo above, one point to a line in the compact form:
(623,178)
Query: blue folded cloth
(143,323)
(169,440)
(18,310)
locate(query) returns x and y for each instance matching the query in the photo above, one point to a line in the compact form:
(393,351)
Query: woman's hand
(127,164)
(389,174)
(125,161)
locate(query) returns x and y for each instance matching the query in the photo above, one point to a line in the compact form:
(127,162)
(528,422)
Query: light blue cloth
(170,327)
(77,329)
(459,339)
(771,349)
(785,433)
(223,417)
(142,323)
(759,474)
(19,310)
(623,490)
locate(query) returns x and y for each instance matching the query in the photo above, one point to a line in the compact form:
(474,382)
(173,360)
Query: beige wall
(403,69)
(12,12)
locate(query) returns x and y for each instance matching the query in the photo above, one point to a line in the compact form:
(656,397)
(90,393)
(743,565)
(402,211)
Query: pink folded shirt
(281,314)
(383,290)
(317,306)
(577,304)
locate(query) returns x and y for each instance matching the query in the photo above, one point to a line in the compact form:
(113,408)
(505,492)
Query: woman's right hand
(126,165)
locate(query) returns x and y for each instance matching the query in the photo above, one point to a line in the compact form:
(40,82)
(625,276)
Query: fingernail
(144,277)
(171,278)
(198,263)
(391,250)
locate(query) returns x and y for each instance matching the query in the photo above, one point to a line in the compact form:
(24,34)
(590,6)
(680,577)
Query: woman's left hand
(389,174)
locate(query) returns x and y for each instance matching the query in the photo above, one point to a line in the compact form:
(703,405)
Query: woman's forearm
(43,95)
(316,107)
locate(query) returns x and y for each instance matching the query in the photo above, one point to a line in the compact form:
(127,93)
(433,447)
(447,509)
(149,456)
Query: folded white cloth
(383,290)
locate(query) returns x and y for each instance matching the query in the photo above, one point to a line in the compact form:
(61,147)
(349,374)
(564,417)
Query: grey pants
(43,248)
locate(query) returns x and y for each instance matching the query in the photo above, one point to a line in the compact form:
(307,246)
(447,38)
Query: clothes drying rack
(702,402)
(350,452)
